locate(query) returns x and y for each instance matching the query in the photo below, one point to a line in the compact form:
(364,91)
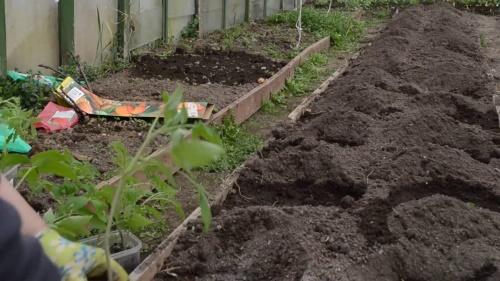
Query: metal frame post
(247,10)
(121,34)
(165,21)
(66,16)
(224,14)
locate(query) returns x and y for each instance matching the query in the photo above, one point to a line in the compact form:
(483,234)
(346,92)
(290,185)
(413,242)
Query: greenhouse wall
(44,32)
(95,28)
(31,34)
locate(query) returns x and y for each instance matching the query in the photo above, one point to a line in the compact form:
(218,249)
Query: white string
(329,7)
(298,25)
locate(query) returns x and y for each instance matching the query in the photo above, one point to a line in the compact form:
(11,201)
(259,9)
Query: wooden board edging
(304,105)
(247,105)
(153,264)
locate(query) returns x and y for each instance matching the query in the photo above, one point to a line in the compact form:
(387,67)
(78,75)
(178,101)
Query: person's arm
(21,257)
(75,261)
(31,222)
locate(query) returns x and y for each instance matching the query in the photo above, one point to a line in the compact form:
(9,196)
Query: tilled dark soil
(91,141)
(207,66)
(391,177)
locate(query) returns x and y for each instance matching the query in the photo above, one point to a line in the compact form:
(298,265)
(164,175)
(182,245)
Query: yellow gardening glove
(77,261)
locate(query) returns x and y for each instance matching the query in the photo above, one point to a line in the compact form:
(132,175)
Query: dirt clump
(393,176)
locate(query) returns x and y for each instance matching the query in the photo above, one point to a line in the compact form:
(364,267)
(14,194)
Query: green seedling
(191,30)
(82,208)
(17,118)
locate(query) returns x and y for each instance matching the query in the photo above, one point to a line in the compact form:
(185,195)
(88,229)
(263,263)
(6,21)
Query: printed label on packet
(70,114)
(192,109)
(75,94)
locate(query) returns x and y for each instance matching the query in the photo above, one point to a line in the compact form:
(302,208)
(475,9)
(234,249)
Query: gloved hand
(77,261)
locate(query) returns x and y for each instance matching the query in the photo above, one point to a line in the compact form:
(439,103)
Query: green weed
(306,74)
(277,100)
(238,144)
(32,95)
(94,72)
(191,30)
(340,26)
(230,36)
(19,119)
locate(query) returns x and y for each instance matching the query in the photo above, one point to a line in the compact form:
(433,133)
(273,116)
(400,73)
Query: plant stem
(23,178)
(119,189)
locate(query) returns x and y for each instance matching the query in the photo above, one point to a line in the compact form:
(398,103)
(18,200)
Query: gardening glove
(77,261)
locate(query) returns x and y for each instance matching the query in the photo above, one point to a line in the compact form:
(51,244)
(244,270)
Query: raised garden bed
(391,175)
(219,77)
(90,141)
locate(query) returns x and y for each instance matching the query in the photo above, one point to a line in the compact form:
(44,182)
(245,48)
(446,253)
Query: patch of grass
(230,35)
(480,5)
(238,144)
(94,72)
(306,74)
(272,105)
(340,26)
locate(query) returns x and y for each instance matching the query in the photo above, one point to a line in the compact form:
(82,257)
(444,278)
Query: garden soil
(393,175)
(233,73)
(217,77)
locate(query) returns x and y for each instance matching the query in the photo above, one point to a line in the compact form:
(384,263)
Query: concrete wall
(289,4)
(32,33)
(32,26)
(146,19)
(273,7)
(93,45)
(235,12)
(257,9)
(180,14)
(210,15)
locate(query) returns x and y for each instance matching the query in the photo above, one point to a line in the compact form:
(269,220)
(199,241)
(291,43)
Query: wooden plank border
(154,262)
(247,105)
(242,109)
(304,105)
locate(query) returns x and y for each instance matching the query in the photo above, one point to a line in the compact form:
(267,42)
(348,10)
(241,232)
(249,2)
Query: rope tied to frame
(298,25)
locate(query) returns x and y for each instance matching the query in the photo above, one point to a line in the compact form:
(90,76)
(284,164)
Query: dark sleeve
(21,258)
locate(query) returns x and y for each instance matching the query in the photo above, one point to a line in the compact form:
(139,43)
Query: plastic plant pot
(11,174)
(129,257)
